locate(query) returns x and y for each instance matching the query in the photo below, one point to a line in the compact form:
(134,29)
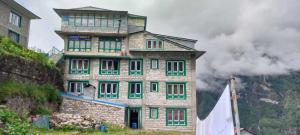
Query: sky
(245,37)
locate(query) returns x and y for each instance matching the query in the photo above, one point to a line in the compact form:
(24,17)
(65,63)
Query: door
(134,117)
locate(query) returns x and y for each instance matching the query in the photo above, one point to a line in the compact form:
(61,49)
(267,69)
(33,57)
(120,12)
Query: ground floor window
(176,90)
(135,90)
(176,117)
(109,67)
(79,66)
(14,36)
(76,86)
(153,113)
(108,90)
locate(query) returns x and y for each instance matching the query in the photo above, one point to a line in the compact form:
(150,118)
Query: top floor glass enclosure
(94,22)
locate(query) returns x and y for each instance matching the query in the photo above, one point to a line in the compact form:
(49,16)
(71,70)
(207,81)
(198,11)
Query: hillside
(268,105)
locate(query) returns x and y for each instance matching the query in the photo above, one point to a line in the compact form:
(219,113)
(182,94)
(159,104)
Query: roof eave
(60,12)
(21,9)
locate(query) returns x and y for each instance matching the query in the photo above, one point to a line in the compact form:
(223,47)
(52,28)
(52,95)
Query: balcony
(109,31)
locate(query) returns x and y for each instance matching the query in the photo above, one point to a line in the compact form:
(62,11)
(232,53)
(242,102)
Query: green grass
(121,132)
(8,47)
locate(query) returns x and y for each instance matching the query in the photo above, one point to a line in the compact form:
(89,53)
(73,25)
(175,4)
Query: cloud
(246,37)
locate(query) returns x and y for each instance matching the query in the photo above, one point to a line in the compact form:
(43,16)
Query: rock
(59,120)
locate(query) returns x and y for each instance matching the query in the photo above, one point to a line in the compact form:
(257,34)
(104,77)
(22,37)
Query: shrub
(41,111)
(13,125)
(8,47)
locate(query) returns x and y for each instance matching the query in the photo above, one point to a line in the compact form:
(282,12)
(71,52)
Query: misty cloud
(246,37)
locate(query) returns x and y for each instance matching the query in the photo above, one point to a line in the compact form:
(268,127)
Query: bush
(8,47)
(41,111)
(39,95)
(13,125)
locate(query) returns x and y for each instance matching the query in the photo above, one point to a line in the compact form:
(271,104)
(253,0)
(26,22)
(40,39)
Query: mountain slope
(268,105)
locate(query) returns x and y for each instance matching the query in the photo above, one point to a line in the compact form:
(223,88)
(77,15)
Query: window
(108,89)
(15,19)
(135,67)
(91,20)
(109,67)
(154,63)
(176,117)
(154,86)
(14,36)
(110,22)
(175,68)
(97,20)
(135,90)
(117,20)
(84,20)
(107,44)
(103,20)
(154,44)
(79,66)
(71,20)
(79,43)
(76,86)
(153,114)
(175,90)
(65,20)
(78,20)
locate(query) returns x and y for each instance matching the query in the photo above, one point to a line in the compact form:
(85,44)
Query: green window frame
(108,89)
(76,86)
(154,86)
(154,63)
(79,44)
(135,90)
(153,112)
(175,68)
(110,44)
(176,90)
(109,67)
(135,67)
(79,66)
(176,116)
(92,20)
(154,44)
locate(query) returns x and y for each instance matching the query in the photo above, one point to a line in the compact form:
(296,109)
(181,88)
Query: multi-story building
(153,74)
(15,21)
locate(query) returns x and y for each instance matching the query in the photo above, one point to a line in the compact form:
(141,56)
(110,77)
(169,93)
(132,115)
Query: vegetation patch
(8,47)
(39,98)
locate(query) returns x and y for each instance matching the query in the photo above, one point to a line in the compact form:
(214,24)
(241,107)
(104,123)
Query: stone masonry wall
(26,71)
(96,111)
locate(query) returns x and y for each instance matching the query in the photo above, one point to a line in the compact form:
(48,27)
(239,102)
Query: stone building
(152,76)
(15,21)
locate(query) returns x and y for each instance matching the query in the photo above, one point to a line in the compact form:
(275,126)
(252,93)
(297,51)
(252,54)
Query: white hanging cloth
(220,119)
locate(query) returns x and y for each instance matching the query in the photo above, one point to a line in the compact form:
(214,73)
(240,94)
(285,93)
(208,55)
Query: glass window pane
(138,88)
(78,87)
(110,21)
(169,89)
(101,45)
(160,44)
(138,65)
(154,63)
(71,20)
(169,66)
(104,64)
(107,45)
(181,115)
(74,64)
(175,66)
(110,65)
(154,44)
(132,88)
(86,64)
(132,65)
(91,20)
(84,20)
(103,21)
(103,88)
(97,22)
(118,45)
(114,87)
(176,114)
(181,89)
(71,44)
(78,20)
(79,64)
(175,89)
(113,44)
(181,66)
(169,115)
(82,44)
(108,89)
(116,64)
(88,44)
(72,87)
(149,44)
